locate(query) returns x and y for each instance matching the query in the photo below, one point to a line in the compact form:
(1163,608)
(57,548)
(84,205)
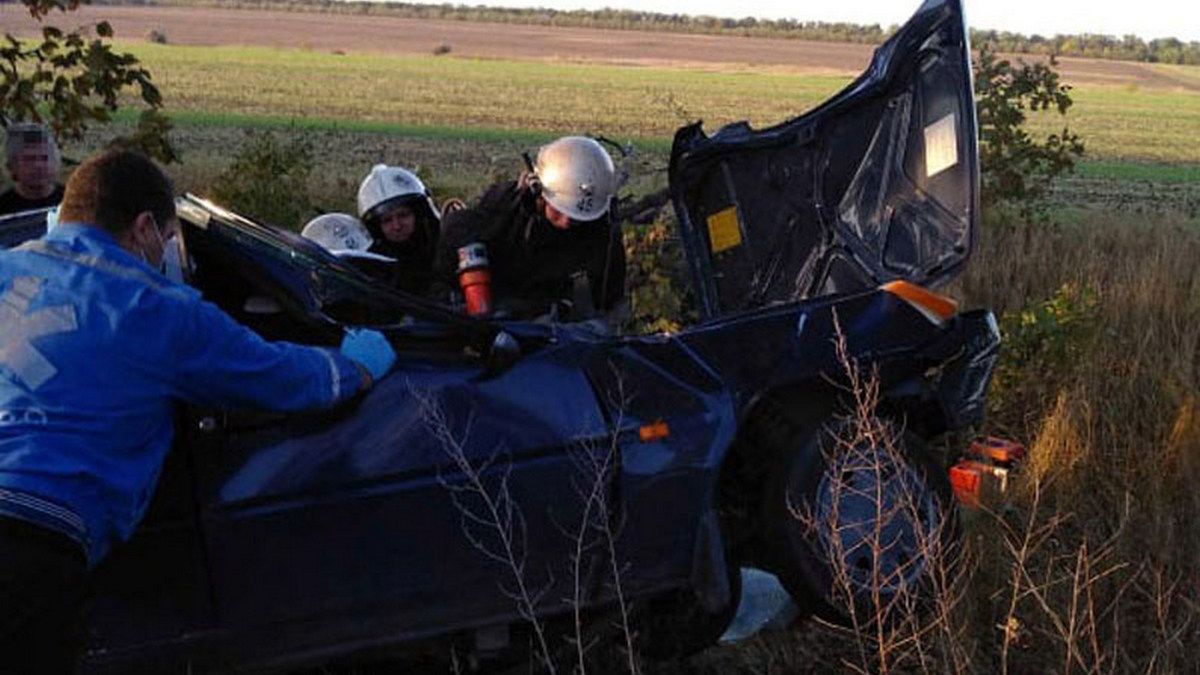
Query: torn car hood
(879,183)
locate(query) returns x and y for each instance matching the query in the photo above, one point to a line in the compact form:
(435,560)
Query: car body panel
(18,227)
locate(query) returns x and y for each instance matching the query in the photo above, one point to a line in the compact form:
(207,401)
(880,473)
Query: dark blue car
(507,474)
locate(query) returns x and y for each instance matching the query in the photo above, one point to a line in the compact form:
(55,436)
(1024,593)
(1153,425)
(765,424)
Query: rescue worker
(338,233)
(400,215)
(95,350)
(551,244)
(33,163)
(347,238)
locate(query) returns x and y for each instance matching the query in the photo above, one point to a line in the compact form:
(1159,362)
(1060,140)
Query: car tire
(812,522)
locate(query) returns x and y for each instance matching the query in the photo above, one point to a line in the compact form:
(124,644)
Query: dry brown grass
(1115,447)
(1091,563)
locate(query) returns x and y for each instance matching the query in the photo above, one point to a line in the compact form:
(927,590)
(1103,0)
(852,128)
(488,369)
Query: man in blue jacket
(96,348)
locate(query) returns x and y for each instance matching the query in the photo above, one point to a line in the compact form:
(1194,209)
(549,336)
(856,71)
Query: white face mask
(172,266)
(52,219)
(163,246)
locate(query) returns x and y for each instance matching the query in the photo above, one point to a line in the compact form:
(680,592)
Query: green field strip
(1116,170)
(201,118)
(463,93)
(507,99)
(1188,74)
(1139,171)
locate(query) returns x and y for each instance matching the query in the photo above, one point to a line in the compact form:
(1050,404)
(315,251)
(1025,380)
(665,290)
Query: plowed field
(370,33)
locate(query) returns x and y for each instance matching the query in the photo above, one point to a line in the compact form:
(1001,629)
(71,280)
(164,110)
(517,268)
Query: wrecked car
(506,471)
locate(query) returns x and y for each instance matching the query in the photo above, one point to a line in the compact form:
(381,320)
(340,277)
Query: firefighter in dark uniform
(552,246)
(400,214)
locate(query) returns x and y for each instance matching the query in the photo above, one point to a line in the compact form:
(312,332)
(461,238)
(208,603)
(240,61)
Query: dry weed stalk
(595,472)
(1115,454)
(495,513)
(492,522)
(914,581)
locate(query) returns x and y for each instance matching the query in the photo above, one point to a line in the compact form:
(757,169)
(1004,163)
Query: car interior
(285,287)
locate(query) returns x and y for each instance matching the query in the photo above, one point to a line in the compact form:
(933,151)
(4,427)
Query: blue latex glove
(371,349)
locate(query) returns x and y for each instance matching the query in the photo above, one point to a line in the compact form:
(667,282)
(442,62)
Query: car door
(407,512)
(151,596)
(423,507)
(878,183)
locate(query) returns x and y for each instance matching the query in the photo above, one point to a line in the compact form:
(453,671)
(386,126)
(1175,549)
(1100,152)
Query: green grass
(430,91)
(486,99)
(1116,123)
(484,135)
(1139,171)
(465,122)
(1190,74)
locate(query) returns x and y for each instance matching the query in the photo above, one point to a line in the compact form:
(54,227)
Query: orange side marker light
(999,450)
(654,432)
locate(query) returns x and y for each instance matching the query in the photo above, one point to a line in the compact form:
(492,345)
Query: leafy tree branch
(72,79)
(1015,167)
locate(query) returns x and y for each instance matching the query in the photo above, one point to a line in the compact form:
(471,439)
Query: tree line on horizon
(1124,48)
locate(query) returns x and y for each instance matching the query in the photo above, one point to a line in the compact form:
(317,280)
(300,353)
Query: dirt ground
(352,33)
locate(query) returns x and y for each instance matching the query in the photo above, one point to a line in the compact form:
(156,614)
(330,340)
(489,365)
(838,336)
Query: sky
(1147,19)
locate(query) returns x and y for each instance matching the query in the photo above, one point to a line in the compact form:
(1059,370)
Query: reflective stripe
(59,518)
(335,378)
(23,326)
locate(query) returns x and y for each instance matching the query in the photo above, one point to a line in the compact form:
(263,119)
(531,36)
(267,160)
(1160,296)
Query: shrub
(151,136)
(657,277)
(1088,563)
(443,48)
(268,179)
(1016,168)
(157,36)
(71,80)
(1043,343)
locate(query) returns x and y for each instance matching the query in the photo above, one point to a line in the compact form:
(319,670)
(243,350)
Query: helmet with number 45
(577,177)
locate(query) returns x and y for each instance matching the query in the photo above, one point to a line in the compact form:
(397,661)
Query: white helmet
(338,233)
(577,177)
(387,185)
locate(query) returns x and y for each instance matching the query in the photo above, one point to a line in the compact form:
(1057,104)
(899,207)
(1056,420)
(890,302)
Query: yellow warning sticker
(724,231)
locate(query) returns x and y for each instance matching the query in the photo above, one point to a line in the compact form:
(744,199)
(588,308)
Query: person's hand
(370,349)
(529,182)
(452,205)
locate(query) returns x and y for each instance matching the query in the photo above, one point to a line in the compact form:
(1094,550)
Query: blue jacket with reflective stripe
(95,349)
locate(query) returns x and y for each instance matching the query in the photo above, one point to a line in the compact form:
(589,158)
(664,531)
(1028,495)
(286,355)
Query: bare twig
(489,511)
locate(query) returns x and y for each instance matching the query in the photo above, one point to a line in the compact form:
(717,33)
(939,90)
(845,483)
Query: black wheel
(852,524)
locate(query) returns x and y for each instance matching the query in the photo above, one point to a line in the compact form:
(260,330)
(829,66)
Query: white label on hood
(941,146)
